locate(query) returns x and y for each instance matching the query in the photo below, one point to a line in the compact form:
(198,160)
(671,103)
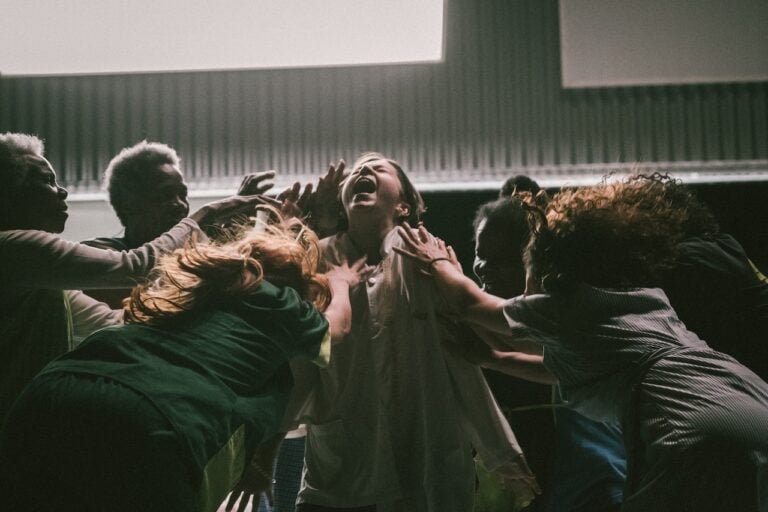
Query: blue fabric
(287,475)
(590,465)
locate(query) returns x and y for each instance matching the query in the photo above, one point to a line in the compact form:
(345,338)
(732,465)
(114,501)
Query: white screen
(644,42)
(50,37)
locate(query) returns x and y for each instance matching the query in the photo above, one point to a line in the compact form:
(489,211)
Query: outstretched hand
(225,211)
(470,347)
(347,275)
(254,483)
(521,482)
(294,202)
(256,183)
(424,248)
(324,205)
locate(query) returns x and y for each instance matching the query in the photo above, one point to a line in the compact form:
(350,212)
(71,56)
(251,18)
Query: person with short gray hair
(42,313)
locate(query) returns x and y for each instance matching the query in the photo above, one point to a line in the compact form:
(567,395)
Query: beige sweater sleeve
(37,259)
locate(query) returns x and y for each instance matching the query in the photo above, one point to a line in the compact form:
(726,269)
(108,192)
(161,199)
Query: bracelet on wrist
(435,260)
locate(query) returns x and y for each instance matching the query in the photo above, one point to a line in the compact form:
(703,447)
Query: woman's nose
(63,193)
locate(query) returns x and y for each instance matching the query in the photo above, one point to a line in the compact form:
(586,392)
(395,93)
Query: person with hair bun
(695,420)
(580,463)
(173,409)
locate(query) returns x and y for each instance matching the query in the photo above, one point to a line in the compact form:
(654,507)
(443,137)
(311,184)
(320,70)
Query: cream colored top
(393,419)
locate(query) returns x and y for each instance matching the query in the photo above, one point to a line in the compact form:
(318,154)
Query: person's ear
(403,210)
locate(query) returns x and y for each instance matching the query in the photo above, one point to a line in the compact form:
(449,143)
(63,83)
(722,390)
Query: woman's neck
(368,239)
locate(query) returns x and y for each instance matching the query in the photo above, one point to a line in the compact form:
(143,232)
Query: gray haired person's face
(42,203)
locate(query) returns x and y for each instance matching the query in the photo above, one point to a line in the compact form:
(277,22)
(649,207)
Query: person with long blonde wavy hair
(695,420)
(172,410)
(284,254)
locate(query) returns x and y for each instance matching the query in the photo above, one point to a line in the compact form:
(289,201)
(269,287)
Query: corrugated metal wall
(495,106)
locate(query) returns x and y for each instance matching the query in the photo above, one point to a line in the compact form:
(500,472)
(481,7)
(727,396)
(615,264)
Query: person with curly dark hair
(580,463)
(695,420)
(617,234)
(519,183)
(173,410)
(670,240)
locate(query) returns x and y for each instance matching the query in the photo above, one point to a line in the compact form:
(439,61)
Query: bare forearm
(467,300)
(339,312)
(507,343)
(523,366)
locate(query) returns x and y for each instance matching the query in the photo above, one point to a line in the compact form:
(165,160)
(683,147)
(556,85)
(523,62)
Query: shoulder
(278,303)
(326,244)
(705,261)
(527,314)
(336,248)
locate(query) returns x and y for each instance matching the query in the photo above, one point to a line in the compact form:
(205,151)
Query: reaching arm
(257,183)
(520,365)
(341,279)
(89,315)
(37,259)
(319,205)
(483,348)
(463,296)
(257,476)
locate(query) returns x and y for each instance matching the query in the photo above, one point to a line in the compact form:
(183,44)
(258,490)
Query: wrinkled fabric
(393,419)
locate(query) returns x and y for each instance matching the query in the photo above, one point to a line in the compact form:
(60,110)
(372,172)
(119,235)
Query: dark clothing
(528,409)
(83,443)
(686,410)
(216,383)
(720,295)
(590,465)
(308,507)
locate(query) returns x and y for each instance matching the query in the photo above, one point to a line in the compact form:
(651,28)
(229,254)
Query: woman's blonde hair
(281,251)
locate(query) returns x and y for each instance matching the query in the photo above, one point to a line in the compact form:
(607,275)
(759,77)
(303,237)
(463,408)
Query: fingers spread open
(406,233)
(359,264)
(404,252)
(423,234)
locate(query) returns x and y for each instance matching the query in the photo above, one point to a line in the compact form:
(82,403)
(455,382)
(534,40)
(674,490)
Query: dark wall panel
(493,107)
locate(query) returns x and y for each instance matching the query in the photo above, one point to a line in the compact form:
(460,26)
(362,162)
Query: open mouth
(364,186)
